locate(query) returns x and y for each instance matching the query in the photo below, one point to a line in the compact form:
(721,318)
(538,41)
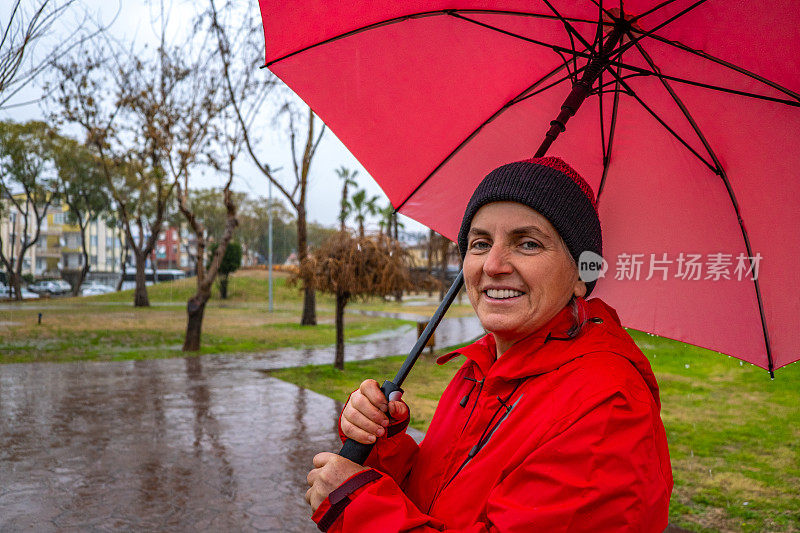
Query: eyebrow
(524,230)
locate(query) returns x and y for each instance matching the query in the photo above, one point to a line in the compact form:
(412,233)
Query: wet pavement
(197,444)
(451,331)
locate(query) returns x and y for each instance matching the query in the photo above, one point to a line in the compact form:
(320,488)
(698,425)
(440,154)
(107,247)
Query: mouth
(503,294)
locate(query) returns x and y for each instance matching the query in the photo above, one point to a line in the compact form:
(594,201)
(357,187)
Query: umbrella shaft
(580,90)
(429,329)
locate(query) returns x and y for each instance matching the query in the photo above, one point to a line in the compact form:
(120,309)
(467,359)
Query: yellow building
(60,243)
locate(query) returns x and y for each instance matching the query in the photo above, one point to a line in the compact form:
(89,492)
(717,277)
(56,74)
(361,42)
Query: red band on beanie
(556,163)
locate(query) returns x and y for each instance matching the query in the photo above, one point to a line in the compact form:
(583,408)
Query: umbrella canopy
(688,136)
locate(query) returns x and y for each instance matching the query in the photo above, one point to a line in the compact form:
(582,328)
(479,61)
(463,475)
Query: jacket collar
(546,349)
(483,351)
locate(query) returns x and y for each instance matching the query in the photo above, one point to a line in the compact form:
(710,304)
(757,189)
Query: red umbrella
(688,135)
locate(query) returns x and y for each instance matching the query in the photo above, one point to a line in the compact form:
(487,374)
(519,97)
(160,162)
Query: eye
(479,245)
(531,246)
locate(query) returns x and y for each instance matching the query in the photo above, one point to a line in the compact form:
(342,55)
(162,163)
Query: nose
(497,262)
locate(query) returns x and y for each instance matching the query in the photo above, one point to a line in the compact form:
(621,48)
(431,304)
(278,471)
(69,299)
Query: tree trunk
(123,266)
(17,277)
(14,283)
(309,307)
(223,286)
(140,298)
(430,256)
(444,247)
(309,317)
(341,301)
(398,296)
(76,288)
(194,324)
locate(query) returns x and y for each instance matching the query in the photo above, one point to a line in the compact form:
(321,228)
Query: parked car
(7,292)
(63,286)
(50,287)
(28,295)
(94,288)
(43,287)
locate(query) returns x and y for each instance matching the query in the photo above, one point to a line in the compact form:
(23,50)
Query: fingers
(314,497)
(364,417)
(398,410)
(360,404)
(330,471)
(370,389)
(322,458)
(357,432)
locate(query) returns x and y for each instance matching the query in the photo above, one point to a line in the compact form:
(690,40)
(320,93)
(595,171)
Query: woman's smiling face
(517,270)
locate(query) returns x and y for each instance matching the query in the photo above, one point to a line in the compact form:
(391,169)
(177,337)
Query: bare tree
(230,148)
(81,187)
(28,30)
(201,131)
(247,87)
(25,154)
(127,125)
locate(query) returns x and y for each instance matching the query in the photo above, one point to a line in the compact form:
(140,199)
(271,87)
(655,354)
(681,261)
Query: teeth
(501,294)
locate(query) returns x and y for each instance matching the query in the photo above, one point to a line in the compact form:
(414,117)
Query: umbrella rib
(570,29)
(736,68)
(411,16)
(598,37)
(553,47)
(644,71)
(622,49)
(632,68)
(611,131)
(661,121)
(600,88)
(720,171)
(602,118)
(572,32)
(651,10)
(521,98)
(460,145)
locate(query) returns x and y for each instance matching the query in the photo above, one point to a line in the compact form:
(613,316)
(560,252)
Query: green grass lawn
(108,327)
(734,435)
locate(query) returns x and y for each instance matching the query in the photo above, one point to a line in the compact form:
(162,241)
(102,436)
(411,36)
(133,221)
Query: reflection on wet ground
(203,443)
(398,341)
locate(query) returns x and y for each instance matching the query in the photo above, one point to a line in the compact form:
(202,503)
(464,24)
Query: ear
(579,289)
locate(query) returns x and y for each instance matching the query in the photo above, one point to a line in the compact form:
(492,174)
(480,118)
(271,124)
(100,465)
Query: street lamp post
(269,245)
(13,242)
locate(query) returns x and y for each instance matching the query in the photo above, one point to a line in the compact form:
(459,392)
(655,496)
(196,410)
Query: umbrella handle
(356,451)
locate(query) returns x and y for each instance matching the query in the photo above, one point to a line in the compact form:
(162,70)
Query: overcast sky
(134,23)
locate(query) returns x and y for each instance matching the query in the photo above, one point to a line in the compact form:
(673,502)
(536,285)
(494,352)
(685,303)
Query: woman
(551,424)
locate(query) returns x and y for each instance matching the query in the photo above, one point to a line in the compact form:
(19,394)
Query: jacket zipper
(475,404)
(477,447)
(469,417)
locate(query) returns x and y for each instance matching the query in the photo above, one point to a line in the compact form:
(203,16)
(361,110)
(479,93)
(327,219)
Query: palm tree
(363,206)
(386,219)
(348,179)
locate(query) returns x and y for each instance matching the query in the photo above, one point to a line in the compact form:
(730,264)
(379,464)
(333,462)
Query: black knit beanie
(551,187)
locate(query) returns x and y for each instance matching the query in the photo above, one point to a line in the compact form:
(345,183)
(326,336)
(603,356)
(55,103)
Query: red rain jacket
(556,435)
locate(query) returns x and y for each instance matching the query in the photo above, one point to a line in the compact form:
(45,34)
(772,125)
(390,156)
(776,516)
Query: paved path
(197,444)
(203,443)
